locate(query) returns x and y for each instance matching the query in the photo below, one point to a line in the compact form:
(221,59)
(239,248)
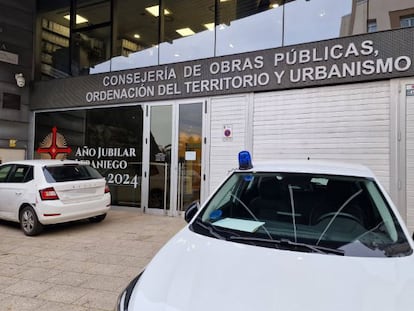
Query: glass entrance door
(172,157)
(189,154)
(159,167)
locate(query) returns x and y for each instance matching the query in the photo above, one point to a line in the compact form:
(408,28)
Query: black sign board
(368,57)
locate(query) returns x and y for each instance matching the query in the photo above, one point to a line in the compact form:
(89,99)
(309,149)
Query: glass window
(136,38)
(187,31)
(67,172)
(92,12)
(372,25)
(248,25)
(109,138)
(307,21)
(407,21)
(21,174)
(4,172)
(91,51)
(54,53)
(190,143)
(160,157)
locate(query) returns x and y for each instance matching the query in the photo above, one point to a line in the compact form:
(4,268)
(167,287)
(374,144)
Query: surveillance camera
(20,80)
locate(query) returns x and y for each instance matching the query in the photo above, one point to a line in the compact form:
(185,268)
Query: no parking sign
(227,132)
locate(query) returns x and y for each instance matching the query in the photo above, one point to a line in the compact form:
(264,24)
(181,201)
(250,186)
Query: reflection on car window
(341,213)
(21,174)
(4,172)
(70,173)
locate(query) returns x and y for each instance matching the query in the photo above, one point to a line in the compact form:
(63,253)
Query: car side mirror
(191,210)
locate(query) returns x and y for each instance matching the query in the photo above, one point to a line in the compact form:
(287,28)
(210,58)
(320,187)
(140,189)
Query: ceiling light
(79,19)
(184,32)
(209,26)
(137,36)
(274,5)
(155,10)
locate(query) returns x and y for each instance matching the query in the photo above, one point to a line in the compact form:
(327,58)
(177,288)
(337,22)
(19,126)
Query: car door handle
(18,193)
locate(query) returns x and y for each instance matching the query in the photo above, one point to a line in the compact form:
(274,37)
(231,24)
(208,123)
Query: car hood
(195,272)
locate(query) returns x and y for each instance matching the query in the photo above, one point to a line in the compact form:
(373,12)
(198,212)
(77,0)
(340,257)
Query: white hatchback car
(287,236)
(42,192)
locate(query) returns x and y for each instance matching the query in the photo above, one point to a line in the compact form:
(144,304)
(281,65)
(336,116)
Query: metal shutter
(346,123)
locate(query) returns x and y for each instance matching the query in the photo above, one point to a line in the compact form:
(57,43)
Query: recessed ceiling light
(155,11)
(137,36)
(274,5)
(184,32)
(79,19)
(209,26)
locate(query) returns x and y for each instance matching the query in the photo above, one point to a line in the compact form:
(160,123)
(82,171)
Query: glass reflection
(186,33)
(307,21)
(254,32)
(189,154)
(91,48)
(136,35)
(54,39)
(92,12)
(110,138)
(160,157)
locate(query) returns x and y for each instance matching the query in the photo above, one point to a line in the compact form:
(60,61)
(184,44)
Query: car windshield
(70,172)
(326,214)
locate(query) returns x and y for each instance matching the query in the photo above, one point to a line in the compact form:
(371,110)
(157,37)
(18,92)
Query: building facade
(16,74)
(160,96)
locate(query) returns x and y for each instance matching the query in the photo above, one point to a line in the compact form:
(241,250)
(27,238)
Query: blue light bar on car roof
(245,160)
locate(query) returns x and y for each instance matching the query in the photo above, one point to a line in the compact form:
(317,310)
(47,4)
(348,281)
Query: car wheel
(29,222)
(98,218)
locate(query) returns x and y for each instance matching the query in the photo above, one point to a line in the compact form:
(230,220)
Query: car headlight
(123,299)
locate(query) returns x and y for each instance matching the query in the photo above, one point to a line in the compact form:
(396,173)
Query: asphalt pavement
(79,266)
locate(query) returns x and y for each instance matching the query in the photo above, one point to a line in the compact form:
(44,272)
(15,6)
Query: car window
(70,172)
(347,215)
(4,172)
(21,174)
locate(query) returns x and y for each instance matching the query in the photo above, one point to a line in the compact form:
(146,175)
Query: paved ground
(80,266)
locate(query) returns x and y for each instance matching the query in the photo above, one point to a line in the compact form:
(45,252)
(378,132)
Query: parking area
(80,266)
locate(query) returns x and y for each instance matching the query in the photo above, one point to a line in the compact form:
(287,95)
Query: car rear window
(70,172)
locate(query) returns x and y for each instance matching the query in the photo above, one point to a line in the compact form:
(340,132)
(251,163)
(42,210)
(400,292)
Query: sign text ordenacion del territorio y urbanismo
(250,72)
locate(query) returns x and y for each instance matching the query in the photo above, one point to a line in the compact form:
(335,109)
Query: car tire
(98,218)
(29,223)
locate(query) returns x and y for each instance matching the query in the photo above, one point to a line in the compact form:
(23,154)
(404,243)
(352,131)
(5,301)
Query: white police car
(286,236)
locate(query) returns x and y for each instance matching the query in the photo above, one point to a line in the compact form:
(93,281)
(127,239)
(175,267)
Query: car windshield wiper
(287,244)
(210,228)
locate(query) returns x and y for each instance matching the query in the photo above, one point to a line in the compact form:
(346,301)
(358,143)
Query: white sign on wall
(8,57)
(409,90)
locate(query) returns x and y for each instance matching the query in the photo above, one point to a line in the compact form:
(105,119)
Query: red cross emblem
(56,144)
